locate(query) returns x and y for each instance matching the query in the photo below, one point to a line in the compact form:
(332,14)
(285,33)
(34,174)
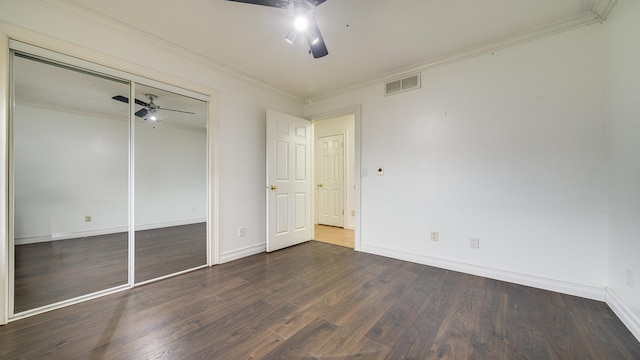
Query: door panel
(170,186)
(288,180)
(70,181)
(330,187)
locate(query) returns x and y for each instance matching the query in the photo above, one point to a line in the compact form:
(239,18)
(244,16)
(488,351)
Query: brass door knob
(320,185)
(273,187)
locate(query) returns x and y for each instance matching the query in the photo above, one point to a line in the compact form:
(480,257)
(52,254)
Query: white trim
(98,232)
(242,252)
(170,224)
(628,318)
(213,189)
(131,280)
(170,275)
(565,287)
(602,8)
(65,303)
(5,247)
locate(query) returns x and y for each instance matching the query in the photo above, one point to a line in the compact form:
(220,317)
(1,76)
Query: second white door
(330,180)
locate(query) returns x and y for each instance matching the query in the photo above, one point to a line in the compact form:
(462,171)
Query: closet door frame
(7,47)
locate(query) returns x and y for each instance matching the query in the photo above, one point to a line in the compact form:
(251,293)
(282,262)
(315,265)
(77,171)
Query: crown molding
(80,12)
(545,30)
(602,8)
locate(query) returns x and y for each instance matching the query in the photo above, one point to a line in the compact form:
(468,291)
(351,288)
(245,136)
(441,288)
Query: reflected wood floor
(334,235)
(52,271)
(321,301)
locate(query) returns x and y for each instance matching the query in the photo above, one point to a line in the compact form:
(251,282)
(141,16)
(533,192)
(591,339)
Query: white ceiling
(366,39)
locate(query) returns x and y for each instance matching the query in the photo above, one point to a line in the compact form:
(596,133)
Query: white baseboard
(170,224)
(96,232)
(243,252)
(628,318)
(585,291)
(67,235)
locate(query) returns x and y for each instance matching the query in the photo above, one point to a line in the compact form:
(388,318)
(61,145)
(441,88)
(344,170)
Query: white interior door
(288,180)
(330,184)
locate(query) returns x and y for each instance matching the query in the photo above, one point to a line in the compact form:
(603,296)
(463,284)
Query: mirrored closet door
(70,152)
(106,193)
(170,183)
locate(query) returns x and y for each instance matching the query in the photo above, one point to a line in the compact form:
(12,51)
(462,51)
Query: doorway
(334,175)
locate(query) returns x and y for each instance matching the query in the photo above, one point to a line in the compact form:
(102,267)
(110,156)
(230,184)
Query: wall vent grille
(401,85)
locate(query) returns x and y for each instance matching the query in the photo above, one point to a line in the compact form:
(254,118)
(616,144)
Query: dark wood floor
(321,301)
(53,271)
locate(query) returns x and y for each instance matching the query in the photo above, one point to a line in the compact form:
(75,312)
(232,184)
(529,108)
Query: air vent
(401,85)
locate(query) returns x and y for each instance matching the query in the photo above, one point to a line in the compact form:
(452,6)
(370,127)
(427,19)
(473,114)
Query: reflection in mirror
(170,183)
(70,183)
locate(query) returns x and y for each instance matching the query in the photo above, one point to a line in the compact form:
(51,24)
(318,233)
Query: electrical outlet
(474,243)
(87,218)
(434,236)
(242,231)
(629,277)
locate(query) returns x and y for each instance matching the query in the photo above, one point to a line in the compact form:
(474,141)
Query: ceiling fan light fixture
(301,23)
(152,118)
(291,36)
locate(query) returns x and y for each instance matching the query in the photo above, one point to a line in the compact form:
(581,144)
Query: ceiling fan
(304,21)
(149,109)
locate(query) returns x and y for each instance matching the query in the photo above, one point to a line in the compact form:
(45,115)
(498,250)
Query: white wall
(68,166)
(341,125)
(170,176)
(242,104)
(623,154)
(507,147)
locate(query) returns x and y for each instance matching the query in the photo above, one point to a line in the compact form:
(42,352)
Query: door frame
(356,110)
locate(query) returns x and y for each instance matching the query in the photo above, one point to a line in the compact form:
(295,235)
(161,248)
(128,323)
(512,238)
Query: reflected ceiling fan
(149,109)
(304,22)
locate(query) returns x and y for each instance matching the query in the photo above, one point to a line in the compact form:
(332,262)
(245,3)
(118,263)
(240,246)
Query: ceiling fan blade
(121,98)
(283,4)
(142,112)
(125,99)
(180,111)
(142,103)
(318,49)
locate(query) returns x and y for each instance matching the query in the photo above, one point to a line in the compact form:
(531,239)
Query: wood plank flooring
(53,271)
(321,301)
(334,235)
